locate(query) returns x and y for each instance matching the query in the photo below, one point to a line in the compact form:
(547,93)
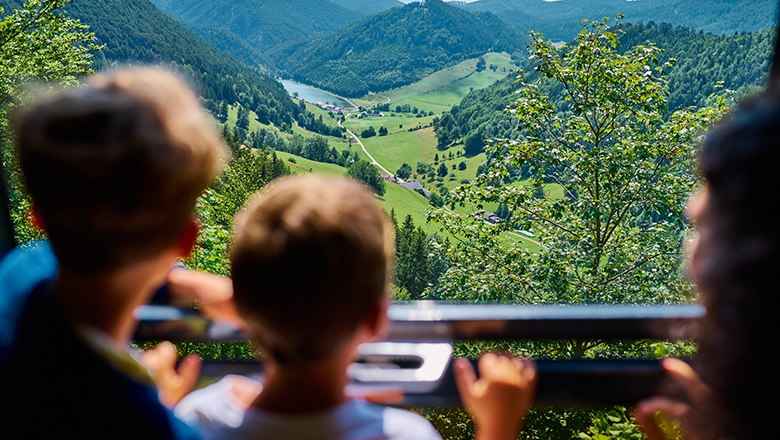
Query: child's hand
(172,383)
(499,399)
(213,293)
(681,413)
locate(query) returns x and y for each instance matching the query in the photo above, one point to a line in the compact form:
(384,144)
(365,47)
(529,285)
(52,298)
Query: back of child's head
(311,259)
(115,166)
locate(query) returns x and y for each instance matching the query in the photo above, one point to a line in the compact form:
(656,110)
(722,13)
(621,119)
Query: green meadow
(411,138)
(402,200)
(441,90)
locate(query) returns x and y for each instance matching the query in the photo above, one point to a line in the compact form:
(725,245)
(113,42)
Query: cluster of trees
(623,164)
(367,173)
(402,108)
(417,264)
(268,115)
(247,170)
(415,40)
(37,42)
(307,120)
(560,21)
(315,147)
(134,31)
(371,132)
(701,61)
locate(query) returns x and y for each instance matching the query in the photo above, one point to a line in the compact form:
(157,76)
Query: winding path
(363,147)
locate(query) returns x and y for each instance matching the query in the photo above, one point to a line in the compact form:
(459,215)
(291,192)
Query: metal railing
(417,353)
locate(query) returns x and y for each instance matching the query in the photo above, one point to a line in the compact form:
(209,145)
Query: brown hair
(735,267)
(116,165)
(312,257)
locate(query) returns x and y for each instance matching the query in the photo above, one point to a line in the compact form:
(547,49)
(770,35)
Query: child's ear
(35,218)
(188,238)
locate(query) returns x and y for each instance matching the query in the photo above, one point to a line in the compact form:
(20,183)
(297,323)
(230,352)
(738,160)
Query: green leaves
(367,173)
(38,43)
(600,176)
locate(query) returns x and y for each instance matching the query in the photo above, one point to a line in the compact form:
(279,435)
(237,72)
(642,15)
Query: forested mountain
(560,19)
(235,46)
(368,7)
(397,47)
(136,31)
(702,60)
(267,25)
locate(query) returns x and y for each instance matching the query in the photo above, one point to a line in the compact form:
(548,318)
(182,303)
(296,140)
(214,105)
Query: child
(114,169)
(311,266)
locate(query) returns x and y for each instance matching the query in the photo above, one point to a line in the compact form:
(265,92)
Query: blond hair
(312,257)
(115,166)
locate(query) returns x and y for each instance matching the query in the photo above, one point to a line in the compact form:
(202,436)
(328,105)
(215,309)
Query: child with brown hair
(311,268)
(114,169)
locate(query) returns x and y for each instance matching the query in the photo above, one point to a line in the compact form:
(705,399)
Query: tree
(369,132)
(417,263)
(242,118)
(411,264)
(473,144)
(247,171)
(404,171)
(480,64)
(624,171)
(38,42)
(367,173)
(442,170)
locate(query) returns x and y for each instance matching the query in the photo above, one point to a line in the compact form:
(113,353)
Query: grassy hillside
(404,201)
(441,90)
(411,139)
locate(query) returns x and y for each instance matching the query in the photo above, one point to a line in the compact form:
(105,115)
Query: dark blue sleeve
(22,269)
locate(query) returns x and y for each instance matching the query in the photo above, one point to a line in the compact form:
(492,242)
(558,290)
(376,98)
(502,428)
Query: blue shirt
(21,270)
(55,383)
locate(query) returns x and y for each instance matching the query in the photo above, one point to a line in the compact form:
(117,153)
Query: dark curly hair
(736,265)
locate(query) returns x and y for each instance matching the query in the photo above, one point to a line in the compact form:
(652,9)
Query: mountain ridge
(397,47)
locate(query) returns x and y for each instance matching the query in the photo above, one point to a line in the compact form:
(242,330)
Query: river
(312,94)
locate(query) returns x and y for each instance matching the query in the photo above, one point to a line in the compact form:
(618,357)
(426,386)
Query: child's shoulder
(399,423)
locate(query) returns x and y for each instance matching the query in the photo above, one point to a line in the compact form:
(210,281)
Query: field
(403,146)
(411,138)
(441,90)
(402,200)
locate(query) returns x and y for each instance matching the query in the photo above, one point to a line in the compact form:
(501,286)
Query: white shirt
(218,415)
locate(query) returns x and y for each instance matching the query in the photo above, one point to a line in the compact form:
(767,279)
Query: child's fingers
(687,378)
(489,364)
(646,411)
(189,372)
(464,378)
(160,358)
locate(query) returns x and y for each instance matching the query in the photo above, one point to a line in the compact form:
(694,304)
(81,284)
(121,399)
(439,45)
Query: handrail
(435,320)
(416,355)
